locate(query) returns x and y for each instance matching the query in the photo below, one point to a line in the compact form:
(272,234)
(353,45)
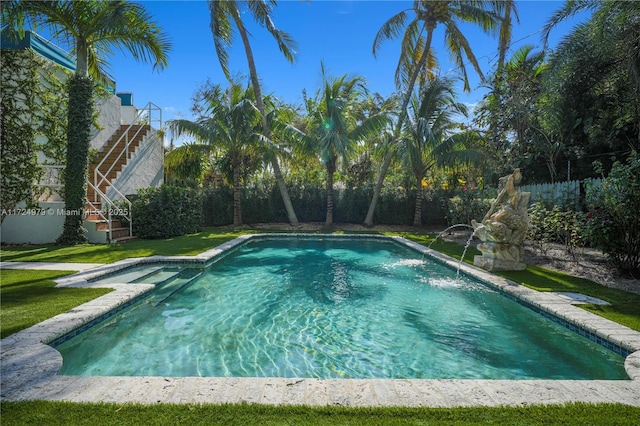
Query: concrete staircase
(111,160)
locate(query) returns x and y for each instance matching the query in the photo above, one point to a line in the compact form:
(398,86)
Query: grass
(66,413)
(188,245)
(28,297)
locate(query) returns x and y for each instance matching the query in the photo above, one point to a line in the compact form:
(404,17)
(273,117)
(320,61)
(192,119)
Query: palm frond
(220,26)
(262,13)
(569,9)
(389,30)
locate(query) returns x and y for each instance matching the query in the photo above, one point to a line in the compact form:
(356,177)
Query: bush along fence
(562,194)
(170,211)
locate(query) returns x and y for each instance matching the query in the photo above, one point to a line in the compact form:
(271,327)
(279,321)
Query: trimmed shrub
(167,211)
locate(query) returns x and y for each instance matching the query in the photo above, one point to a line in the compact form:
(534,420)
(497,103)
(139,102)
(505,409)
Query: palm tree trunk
(77,158)
(282,186)
(237,192)
(368,221)
(330,198)
(82,64)
(417,216)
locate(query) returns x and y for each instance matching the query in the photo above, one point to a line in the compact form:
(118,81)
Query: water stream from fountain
(466,246)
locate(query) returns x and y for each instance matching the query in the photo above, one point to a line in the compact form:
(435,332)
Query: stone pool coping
(29,367)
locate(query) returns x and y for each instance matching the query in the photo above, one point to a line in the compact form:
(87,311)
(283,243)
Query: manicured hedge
(168,211)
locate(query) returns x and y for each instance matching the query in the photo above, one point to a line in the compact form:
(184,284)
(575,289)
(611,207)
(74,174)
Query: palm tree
(416,56)
(505,8)
(92,29)
(604,54)
(223,13)
(430,139)
(334,128)
(228,128)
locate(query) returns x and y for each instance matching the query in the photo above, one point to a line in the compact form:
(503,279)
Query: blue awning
(47,50)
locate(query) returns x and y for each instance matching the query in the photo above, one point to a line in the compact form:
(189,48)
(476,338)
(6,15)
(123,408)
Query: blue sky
(340,33)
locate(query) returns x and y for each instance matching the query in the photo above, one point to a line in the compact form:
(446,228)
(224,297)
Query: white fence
(568,193)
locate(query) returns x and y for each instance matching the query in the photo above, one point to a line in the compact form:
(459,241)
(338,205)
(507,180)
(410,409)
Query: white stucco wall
(30,226)
(109,119)
(42,225)
(129,114)
(144,169)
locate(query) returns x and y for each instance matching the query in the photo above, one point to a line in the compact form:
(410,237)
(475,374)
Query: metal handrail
(145,116)
(112,206)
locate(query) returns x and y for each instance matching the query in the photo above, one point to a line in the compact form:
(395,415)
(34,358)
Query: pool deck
(29,367)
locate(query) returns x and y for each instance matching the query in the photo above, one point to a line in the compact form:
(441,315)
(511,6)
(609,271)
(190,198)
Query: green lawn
(28,297)
(188,245)
(64,413)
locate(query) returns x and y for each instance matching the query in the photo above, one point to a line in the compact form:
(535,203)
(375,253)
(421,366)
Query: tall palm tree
(333,128)
(416,54)
(228,128)
(430,139)
(92,29)
(223,13)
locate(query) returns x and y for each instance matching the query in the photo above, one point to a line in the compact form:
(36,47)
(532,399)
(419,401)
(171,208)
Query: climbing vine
(80,112)
(18,155)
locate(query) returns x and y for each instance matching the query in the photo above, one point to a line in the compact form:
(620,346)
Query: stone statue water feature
(504,227)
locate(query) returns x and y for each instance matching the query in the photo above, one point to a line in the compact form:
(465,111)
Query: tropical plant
(227,129)
(613,221)
(417,57)
(594,75)
(430,139)
(510,112)
(91,29)
(334,127)
(223,13)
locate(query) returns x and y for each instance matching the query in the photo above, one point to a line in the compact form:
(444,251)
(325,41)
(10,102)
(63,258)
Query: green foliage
(467,205)
(168,211)
(52,110)
(614,219)
(218,206)
(555,225)
(77,163)
(18,158)
(264,205)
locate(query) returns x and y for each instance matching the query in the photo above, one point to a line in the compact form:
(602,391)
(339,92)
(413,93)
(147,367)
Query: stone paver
(28,367)
(50,266)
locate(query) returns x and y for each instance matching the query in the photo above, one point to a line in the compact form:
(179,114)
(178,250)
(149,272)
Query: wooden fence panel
(565,194)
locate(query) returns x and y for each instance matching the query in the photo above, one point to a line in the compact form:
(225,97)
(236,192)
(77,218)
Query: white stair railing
(111,209)
(150,115)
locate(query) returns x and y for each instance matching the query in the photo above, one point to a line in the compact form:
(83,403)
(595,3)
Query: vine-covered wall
(34,123)
(18,157)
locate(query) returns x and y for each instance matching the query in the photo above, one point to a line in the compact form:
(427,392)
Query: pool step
(132,276)
(159,277)
(176,285)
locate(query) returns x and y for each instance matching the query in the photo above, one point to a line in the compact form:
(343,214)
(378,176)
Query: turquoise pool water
(332,308)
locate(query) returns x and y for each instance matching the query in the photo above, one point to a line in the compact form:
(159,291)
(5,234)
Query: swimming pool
(296,302)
